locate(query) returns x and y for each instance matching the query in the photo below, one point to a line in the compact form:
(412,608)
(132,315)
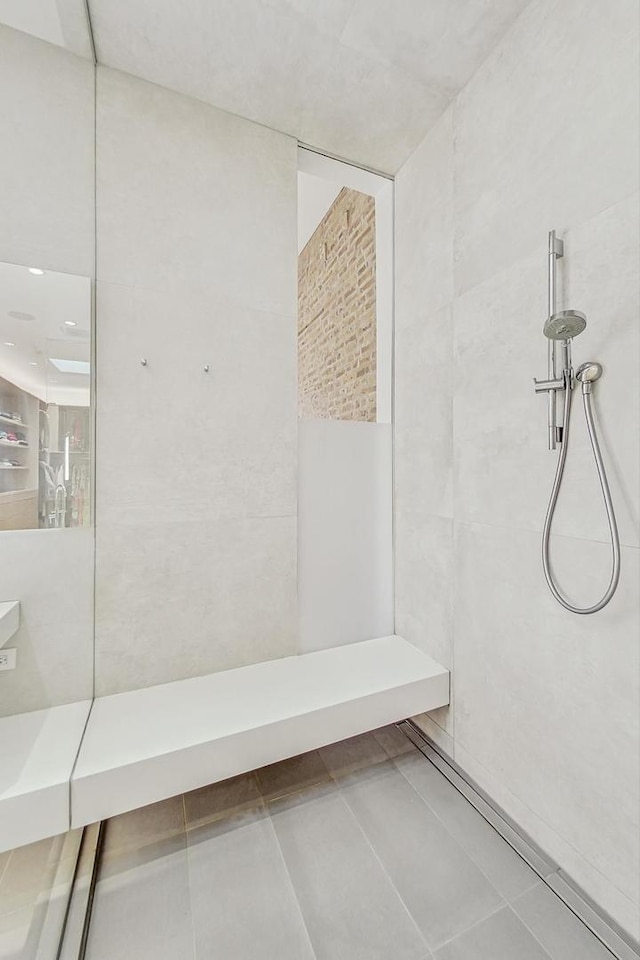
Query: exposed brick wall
(337,313)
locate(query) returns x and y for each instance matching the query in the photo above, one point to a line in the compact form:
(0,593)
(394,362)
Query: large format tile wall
(47,220)
(196,494)
(196,487)
(545,704)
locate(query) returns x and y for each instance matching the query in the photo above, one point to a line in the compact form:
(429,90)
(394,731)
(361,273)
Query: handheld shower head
(589,372)
(565,325)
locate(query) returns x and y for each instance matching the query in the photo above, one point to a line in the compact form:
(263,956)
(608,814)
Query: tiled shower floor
(360,851)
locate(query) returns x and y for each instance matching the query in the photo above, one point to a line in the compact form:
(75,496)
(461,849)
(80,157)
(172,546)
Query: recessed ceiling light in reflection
(70,323)
(36,271)
(9,343)
(33,363)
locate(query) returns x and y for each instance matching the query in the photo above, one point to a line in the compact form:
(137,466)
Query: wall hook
(206,368)
(144,361)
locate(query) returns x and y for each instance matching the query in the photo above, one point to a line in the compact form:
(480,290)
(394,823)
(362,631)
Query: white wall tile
(424,589)
(175,443)
(423,412)
(602,278)
(503,472)
(547,701)
(189,194)
(51,573)
(47,156)
(178,599)
(545,132)
(424,226)
(196,548)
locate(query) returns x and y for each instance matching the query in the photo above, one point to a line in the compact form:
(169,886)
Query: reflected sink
(9,620)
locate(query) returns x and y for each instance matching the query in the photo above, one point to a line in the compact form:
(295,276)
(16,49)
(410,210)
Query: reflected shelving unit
(18,460)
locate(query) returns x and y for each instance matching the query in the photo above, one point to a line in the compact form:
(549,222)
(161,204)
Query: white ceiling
(362,79)
(35,313)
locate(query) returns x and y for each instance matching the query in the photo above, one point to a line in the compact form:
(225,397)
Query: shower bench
(154,743)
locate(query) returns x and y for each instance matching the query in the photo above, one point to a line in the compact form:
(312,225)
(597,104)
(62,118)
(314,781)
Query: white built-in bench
(37,753)
(149,744)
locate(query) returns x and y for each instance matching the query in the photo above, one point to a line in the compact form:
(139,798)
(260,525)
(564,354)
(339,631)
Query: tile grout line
(266,805)
(531,932)
(453,837)
(477,923)
(532,251)
(381,864)
(189,883)
(500,815)
(523,921)
(518,844)
(493,525)
(471,857)
(504,902)
(623,949)
(522,841)
(481,814)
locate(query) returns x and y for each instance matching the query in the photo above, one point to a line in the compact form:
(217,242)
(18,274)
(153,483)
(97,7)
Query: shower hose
(602,476)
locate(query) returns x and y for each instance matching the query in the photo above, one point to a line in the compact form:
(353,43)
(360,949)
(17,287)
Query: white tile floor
(360,851)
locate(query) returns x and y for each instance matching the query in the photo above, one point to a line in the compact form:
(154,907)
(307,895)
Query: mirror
(45,399)
(47,255)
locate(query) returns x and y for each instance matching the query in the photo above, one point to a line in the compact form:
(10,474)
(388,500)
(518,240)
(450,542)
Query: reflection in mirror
(45,397)
(63,22)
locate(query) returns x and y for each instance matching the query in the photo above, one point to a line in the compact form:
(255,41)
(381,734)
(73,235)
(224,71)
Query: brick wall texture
(337,313)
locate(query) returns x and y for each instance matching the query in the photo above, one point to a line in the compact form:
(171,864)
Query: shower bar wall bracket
(546,386)
(556,245)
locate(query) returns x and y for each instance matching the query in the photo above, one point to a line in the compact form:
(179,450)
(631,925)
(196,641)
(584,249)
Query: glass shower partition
(47,272)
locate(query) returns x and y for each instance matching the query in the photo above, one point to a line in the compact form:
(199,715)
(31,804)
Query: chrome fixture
(556,250)
(588,373)
(565,325)
(560,328)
